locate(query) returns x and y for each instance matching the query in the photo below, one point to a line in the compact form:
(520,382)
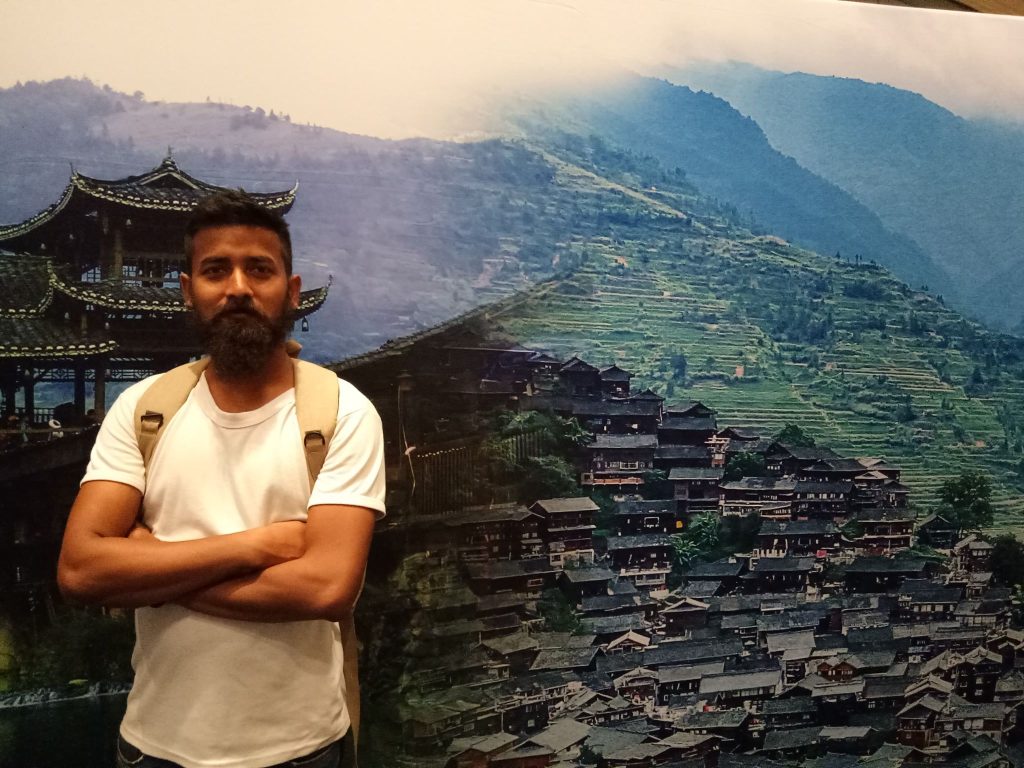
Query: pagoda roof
(165,188)
(42,337)
(116,294)
(25,288)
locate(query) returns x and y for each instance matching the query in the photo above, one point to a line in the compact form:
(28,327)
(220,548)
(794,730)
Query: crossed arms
(288,571)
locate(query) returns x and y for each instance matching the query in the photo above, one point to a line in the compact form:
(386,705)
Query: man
(237,569)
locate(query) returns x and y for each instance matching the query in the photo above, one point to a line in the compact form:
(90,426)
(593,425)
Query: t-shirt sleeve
(116,455)
(353,472)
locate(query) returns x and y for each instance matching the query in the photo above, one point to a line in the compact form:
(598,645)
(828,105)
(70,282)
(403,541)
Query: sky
(397,68)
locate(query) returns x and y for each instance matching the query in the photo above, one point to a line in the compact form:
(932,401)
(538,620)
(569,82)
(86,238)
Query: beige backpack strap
(161,401)
(316,407)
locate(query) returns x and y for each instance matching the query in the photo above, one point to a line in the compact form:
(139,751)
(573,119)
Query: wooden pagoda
(89,289)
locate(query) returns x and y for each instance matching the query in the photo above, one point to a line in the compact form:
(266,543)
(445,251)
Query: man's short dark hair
(235,207)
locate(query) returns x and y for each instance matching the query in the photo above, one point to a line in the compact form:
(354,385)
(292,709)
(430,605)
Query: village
(849,631)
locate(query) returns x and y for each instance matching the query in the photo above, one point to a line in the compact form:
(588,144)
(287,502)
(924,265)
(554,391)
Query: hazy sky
(392,68)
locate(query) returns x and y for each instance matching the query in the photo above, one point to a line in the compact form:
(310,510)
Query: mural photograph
(695,330)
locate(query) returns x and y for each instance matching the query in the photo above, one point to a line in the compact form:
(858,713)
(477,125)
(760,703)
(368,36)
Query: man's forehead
(232,239)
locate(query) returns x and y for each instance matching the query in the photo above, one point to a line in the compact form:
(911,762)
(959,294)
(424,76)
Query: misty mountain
(944,181)
(728,157)
(413,232)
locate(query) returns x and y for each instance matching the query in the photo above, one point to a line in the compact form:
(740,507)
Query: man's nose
(238,284)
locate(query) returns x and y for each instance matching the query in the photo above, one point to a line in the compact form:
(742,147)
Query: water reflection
(71,734)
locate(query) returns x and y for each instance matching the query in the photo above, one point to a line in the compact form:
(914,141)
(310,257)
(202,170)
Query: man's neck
(237,395)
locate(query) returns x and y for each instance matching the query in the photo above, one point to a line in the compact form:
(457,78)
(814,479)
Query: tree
(679,364)
(557,612)
(1008,560)
(548,477)
(656,484)
(744,464)
(699,538)
(967,500)
(794,435)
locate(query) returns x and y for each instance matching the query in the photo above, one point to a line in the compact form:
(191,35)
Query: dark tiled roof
(616,543)
(797,527)
(646,507)
(603,625)
(575,364)
(882,564)
(566,504)
(761,484)
(805,453)
(165,188)
(585,408)
(604,442)
(884,514)
(647,394)
(689,423)
(614,373)
(588,574)
(719,569)
(837,465)
(488,514)
(690,408)
(25,288)
(695,473)
(43,338)
(814,486)
(784,565)
(693,452)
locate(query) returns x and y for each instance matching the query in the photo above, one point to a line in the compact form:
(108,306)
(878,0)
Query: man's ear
(294,289)
(185,281)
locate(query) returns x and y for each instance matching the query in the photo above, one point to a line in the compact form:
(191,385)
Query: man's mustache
(240,308)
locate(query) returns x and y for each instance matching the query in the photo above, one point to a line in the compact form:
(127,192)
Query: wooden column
(79,389)
(30,395)
(118,268)
(100,390)
(10,393)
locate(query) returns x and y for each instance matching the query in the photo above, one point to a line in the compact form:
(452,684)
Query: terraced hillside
(772,334)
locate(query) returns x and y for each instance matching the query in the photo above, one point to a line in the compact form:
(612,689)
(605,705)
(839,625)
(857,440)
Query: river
(77,733)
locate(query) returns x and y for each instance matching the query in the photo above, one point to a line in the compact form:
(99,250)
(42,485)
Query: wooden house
(750,495)
(696,489)
(496,532)
(884,530)
(568,528)
(578,378)
(689,424)
(619,460)
(796,538)
(635,517)
(644,559)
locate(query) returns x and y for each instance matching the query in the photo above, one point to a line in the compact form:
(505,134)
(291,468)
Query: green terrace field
(773,335)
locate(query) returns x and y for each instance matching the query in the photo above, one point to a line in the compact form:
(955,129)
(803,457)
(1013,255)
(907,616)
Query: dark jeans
(325,757)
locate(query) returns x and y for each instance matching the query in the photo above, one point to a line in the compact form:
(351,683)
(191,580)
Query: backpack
(316,406)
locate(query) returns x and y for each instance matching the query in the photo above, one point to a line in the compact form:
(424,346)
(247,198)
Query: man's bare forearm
(108,560)
(118,571)
(322,584)
(287,592)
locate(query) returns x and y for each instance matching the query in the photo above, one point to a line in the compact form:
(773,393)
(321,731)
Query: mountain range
(638,199)
(949,184)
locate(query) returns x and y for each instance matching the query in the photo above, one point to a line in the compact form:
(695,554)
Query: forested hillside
(942,180)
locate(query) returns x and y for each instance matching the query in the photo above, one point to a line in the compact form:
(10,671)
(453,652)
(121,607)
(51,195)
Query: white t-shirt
(220,692)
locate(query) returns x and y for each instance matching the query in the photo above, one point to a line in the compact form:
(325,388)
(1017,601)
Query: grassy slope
(714,293)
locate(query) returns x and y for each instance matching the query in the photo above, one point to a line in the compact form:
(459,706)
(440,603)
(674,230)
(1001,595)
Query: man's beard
(241,340)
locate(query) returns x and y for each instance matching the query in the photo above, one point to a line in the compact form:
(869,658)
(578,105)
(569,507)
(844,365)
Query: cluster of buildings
(559,634)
